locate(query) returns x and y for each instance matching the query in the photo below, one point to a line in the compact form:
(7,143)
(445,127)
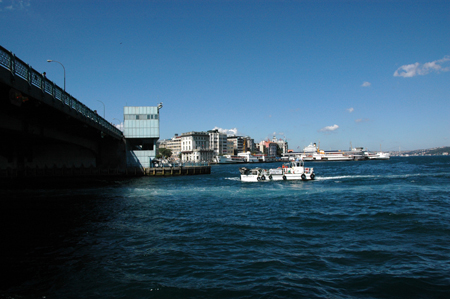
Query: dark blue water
(373,229)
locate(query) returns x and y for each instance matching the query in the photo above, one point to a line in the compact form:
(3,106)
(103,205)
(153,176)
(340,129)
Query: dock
(177,170)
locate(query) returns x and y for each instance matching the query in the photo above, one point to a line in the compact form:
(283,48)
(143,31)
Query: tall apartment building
(248,144)
(269,148)
(235,144)
(282,144)
(173,144)
(141,130)
(218,142)
(195,147)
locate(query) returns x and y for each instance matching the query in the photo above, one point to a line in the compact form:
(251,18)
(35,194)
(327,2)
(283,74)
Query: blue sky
(373,73)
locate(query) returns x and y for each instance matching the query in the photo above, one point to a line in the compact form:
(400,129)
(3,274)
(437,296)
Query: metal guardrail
(19,68)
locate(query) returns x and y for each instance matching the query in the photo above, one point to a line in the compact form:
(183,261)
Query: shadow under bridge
(45,131)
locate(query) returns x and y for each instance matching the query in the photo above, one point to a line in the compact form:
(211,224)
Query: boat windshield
(297,164)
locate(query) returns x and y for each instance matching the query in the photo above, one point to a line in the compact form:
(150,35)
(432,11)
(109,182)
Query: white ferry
(228,159)
(313,153)
(294,170)
(248,157)
(379,156)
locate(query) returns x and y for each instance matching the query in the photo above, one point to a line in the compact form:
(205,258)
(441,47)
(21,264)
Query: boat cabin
(293,164)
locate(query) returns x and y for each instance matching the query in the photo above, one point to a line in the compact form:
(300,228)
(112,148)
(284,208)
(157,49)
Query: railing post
(29,74)
(43,82)
(53,90)
(12,64)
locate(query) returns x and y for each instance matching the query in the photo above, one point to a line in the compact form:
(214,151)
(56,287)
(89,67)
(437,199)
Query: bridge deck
(13,70)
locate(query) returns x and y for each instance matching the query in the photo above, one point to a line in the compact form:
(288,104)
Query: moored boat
(294,170)
(228,159)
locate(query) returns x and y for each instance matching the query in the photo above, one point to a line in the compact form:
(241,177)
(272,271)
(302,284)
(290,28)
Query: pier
(177,170)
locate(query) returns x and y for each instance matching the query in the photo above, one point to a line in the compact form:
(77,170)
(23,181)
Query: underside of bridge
(41,136)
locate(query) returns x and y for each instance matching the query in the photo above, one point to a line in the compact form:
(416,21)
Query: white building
(218,142)
(141,130)
(282,144)
(195,147)
(173,144)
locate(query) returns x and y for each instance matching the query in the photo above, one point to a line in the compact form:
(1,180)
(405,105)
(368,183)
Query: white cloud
(411,70)
(16,5)
(227,131)
(360,120)
(119,126)
(329,128)
(350,110)
(366,84)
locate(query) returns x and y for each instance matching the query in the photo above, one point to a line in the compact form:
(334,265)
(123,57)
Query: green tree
(164,152)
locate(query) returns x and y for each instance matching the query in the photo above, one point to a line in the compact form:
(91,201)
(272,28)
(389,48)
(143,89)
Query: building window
(137,116)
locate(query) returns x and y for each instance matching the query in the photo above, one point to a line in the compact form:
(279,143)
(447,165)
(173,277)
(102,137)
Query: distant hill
(430,151)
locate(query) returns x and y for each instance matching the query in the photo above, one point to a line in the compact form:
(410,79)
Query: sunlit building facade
(141,130)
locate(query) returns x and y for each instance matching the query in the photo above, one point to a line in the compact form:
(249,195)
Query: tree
(164,152)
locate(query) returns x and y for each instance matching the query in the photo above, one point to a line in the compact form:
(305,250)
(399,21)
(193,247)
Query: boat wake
(233,178)
(350,177)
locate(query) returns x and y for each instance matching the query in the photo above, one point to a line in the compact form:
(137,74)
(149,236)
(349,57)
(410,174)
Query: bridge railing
(19,68)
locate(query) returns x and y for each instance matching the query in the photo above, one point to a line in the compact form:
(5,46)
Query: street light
(103,107)
(49,60)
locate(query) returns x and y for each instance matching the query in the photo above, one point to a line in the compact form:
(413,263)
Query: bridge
(47,132)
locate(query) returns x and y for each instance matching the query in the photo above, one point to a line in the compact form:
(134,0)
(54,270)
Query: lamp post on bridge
(103,107)
(49,60)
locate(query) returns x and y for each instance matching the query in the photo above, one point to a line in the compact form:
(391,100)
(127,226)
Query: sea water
(368,229)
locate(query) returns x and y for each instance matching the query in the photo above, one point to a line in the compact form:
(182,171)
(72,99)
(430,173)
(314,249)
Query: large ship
(246,157)
(313,153)
(228,159)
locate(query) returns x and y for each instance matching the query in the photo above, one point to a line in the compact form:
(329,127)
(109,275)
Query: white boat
(248,157)
(294,170)
(327,156)
(379,156)
(311,148)
(336,157)
(313,153)
(228,159)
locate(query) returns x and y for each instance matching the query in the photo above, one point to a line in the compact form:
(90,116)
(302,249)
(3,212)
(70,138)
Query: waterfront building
(235,144)
(141,131)
(218,142)
(249,144)
(282,144)
(195,147)
(173,144)
(269,148)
